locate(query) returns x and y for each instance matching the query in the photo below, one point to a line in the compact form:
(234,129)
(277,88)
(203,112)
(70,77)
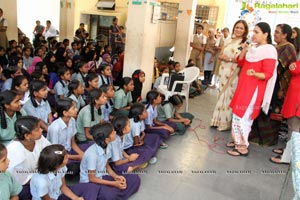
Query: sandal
(278,151)
(235,152)
(277,160)
(230,144)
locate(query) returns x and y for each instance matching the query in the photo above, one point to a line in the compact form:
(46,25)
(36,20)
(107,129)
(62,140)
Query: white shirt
(204,38)
(51,32)
(23,163)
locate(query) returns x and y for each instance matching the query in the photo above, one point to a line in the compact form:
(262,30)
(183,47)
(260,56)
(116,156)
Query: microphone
(247,42)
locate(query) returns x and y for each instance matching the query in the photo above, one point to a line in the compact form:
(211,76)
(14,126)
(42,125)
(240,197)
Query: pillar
(184,30)
(67,20)
(141,35)
(11,15)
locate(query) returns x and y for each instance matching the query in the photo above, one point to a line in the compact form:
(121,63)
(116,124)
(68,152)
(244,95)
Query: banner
(272,11)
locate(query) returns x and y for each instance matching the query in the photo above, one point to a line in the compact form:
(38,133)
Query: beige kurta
(228,73)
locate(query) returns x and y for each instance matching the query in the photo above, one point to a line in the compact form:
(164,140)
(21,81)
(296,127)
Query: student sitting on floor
(169,111)
(94,167)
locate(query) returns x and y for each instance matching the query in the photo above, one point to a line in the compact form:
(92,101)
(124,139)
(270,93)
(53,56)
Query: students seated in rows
(123,98)
(94,167)
(88,116)
(81,71)
(62,131)
(10,73)
(10,111)
(169,111)
(50,182)
(24,151)
(21,85)
(91,82)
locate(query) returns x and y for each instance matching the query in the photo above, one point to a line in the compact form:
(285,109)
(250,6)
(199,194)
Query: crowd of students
(62,115)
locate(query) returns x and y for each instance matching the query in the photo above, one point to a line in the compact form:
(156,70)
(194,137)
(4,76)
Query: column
(67,20)
(184,30)
(141,36)
(11,15)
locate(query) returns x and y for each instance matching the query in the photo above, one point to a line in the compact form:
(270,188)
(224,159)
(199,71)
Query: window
(207,13)
(169,11)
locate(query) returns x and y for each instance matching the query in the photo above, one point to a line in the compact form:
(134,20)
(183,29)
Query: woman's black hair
(286,29)
(135,111)
(6,98)
(35,86)
(73,85)
(91,76)
(10,70)
(17,81)
(25,125)
(63,104)
(104,89)
(138,86)
(39,66)
(124,81)
(100,132)
(36,75)
(265,28)
(95,94)
(60,72)
(59,55)
(119,123)
(51,158)
(151,96)
(296,41)
(2,150)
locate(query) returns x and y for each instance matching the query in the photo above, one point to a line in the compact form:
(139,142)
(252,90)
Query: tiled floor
(195,166)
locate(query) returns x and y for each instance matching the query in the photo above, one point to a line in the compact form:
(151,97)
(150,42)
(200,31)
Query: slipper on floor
(235,152)
(277,160)
(278,151)
(230,144)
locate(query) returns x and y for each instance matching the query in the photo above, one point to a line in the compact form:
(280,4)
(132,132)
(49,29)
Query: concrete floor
(195,166)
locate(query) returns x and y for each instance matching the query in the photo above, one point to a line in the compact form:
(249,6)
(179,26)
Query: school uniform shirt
(42,184)
(25,97)
(116,148)
(104,80)
(121,99)
(41,111)
(9,186)
(84,120)
(27,62)
(61,89)
(136,129)
(61,133)
(106,110)
(94,158)
(8,134)
(165,112)
(80,78)
(152,114)
(23,163)
(79,102)
(6,85)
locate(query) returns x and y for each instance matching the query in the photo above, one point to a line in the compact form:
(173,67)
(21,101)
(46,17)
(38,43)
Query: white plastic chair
(190,74)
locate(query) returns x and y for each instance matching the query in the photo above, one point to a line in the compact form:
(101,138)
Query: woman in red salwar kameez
(258,65)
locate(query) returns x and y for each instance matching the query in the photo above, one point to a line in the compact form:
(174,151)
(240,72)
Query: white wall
(31,10)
